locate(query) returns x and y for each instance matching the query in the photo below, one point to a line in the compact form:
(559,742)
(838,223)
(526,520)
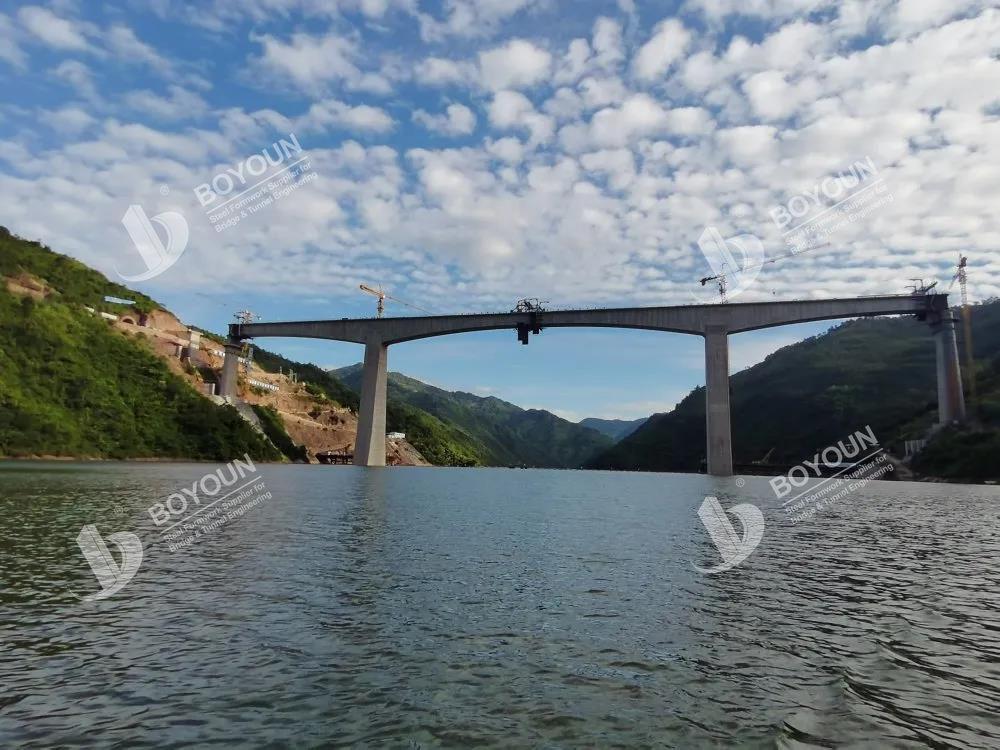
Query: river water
(497,608)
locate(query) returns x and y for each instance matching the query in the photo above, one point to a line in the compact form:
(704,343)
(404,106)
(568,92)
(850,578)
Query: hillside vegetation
(500,433)
(72,386)
(440,443)
(878,372)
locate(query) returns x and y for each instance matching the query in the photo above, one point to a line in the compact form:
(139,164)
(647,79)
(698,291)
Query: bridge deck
(691,319)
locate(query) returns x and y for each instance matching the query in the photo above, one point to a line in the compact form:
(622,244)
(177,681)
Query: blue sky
(468,153)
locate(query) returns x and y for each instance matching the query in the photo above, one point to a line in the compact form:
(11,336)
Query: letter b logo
(157,257)
(733,547)
(110,575)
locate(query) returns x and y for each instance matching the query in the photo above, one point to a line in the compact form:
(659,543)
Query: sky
(465,154)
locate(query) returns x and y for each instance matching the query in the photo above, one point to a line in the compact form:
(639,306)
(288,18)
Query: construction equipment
(721,278)
(382,297)
(534,307)
(918,286)
(242,317)
(762,461)
(529,304)
(962,277)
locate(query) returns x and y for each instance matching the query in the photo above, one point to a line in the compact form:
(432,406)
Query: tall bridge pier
(713,322)
(718,427)
(951,399)
(369,447)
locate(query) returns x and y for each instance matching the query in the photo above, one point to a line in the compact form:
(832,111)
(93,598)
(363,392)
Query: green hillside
(878,372)
(440,443)
(72,386)
(503,434)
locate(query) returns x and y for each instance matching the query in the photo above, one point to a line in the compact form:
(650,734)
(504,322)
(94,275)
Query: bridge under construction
(713,322)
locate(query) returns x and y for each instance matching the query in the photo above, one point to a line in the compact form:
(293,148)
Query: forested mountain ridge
(70,385)
(878,372)
(503,434)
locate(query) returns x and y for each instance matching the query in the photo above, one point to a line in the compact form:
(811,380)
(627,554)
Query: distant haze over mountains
(616,429)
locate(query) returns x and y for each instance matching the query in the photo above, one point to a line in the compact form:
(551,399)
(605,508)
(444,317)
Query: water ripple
(447,608)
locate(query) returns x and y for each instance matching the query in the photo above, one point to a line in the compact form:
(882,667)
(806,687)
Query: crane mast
(962,277)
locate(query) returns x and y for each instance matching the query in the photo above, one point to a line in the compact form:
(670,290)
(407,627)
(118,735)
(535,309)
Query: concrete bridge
(713,322)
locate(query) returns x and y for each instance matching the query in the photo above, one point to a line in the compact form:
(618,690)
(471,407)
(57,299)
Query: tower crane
(382,297)
(962,277)
(721,278)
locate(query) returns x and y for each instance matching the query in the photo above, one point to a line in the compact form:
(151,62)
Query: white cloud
(78,75)
(608,44)
(517,64)
(471,18)
(312,62)
(667,45)
(70,120)
(909,16)
(608,211)
(690,121)
(574,62)
(717,10)
(774,98)
(457,120)
(617,164)
(600,92)
(123,43)
(510,150)
(748,145)
(639,115)
(439,71)
(178,104)
(10,51)
(53,30)
(512,110)
(330,114)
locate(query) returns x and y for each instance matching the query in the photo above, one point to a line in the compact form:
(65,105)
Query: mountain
(440,443)
(878,372)
(503,434)
(616,429)
(71,385)
(74,384)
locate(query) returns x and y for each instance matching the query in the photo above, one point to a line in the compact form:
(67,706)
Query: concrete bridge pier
(717,424)
(951,399)
(230,365)
(369,448)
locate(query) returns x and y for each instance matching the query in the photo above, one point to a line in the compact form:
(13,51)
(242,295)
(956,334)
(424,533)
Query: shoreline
(155,460)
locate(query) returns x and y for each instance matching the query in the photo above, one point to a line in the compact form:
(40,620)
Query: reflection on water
(429,607)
